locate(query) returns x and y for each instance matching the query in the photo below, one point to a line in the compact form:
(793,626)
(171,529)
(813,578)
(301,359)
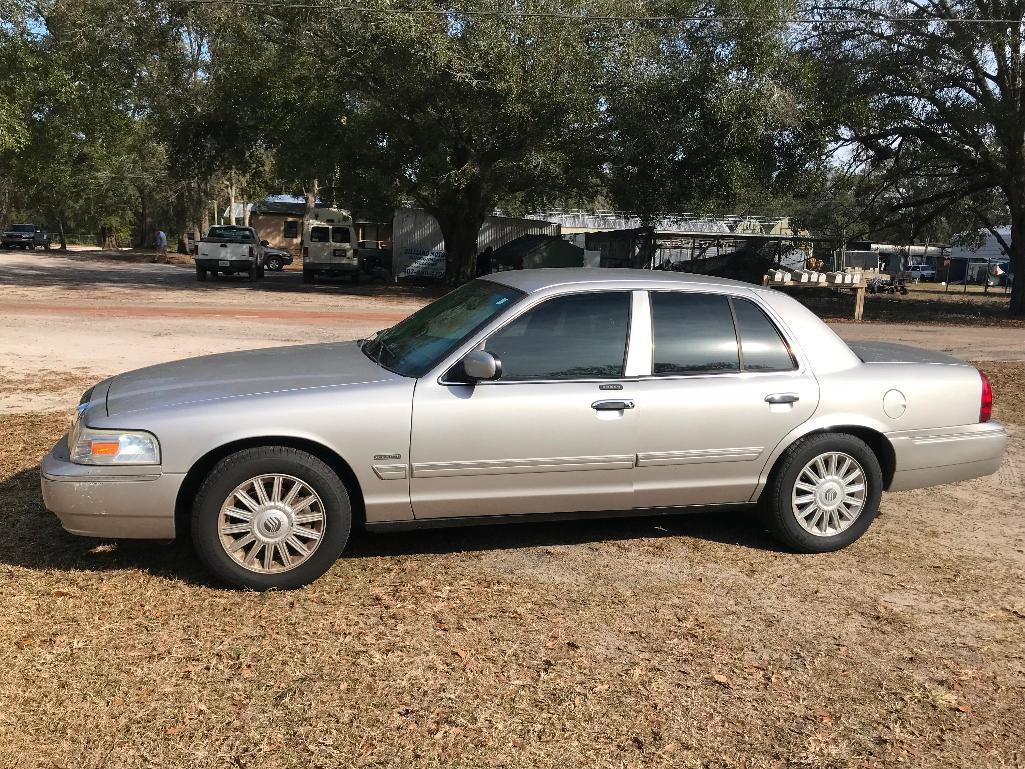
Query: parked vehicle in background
(276,258)
(919,272)
(327,249)
(375,260)
(537,393)
(230,250)
(28,236)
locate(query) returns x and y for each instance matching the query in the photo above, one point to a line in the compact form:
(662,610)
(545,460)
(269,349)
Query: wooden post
(859,302)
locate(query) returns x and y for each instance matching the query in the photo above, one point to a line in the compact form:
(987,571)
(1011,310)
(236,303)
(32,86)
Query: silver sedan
(545,393)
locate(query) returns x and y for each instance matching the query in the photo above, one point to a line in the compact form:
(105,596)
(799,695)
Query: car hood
(241,374)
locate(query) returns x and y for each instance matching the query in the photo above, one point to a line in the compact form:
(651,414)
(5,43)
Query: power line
(797,20)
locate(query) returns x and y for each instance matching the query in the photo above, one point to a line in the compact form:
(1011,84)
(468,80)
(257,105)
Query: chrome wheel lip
(829,494)
(271,523)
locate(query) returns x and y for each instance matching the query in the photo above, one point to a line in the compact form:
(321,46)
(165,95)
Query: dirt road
(68,320)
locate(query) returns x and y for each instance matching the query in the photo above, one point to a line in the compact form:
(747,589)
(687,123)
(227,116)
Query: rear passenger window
(319,234)
(762,346)
(582,336)
(692,334)
(339,234)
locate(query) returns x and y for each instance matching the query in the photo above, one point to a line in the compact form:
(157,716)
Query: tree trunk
(245,214)
(1018,258)
(231,197)
(60,233)
(311,199)
(460,219)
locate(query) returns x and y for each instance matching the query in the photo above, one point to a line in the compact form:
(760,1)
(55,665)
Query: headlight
(112,447)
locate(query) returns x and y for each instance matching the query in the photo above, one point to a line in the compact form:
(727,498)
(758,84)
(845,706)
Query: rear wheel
(824,493)
(270,517)
(309,276)
(200,273)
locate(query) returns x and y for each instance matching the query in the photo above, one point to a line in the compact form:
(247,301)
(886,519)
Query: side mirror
(264,242)
(480,365)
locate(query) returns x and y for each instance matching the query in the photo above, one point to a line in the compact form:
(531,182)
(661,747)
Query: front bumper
(936,456)
(127,502)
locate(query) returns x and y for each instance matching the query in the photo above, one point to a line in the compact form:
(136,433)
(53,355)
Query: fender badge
(380,457)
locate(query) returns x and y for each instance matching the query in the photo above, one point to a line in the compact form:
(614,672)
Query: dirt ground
(685,641)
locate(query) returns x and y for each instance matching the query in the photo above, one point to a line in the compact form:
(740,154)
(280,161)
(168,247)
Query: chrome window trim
(640,333)
(526,306)
(796,353)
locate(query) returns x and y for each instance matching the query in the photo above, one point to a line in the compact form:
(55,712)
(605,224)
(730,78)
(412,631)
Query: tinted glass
(413,346)
(339,234)
(319,234)
(291,229)
(763,347)
(22,228)
(231,234)
(572,337)
(693,333)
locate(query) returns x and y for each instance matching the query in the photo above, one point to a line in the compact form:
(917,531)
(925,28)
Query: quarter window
(692,334)
(760,342)
(319,234)
(580,336)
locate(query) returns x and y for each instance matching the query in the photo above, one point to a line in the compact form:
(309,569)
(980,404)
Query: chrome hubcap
(829,494)
(271,523)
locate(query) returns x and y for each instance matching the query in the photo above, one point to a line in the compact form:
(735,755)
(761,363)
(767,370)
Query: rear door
(342,252)
(725,388)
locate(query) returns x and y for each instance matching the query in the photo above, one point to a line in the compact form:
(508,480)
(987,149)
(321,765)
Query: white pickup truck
(230,250)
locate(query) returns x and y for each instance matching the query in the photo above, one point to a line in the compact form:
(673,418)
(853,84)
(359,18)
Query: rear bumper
(331,266)
(122,502)
(232,264)
(936,456)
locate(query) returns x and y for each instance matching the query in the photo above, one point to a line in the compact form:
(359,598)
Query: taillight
(986,404)
(252,252)
(306,252)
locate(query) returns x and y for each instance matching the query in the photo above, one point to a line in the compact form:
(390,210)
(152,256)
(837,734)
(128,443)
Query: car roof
(530,281)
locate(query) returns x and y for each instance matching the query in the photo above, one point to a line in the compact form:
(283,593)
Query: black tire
(309,276)
(275,264)
(261,272)
(776,503)
(233,471)
(200,273)
(356,278)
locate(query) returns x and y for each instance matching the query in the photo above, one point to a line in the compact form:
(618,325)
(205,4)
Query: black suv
(25,236)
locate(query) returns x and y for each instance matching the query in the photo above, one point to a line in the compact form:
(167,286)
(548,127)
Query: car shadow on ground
(35,540)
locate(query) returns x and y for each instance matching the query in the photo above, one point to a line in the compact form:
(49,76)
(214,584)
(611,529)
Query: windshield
(233,234)
(414,345)
(22,228)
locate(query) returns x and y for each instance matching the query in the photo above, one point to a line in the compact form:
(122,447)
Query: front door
(555,433)
(725,390)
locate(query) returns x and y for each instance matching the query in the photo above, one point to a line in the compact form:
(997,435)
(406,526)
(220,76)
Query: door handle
(612,405)
(782,398)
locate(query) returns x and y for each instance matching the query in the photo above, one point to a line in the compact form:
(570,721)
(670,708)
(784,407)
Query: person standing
(161,243)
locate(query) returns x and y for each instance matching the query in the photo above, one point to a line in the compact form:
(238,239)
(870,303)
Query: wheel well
(876,441)
(199,471)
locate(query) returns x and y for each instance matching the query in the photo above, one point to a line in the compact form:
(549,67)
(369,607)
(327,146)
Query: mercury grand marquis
(538,393)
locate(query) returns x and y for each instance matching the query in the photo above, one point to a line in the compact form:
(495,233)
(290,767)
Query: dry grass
(671,642)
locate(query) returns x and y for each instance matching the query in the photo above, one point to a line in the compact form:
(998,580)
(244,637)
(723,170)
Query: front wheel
(270,517)
(275,264)
(824,493)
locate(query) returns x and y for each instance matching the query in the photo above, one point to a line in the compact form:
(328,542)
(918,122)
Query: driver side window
(580,336)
